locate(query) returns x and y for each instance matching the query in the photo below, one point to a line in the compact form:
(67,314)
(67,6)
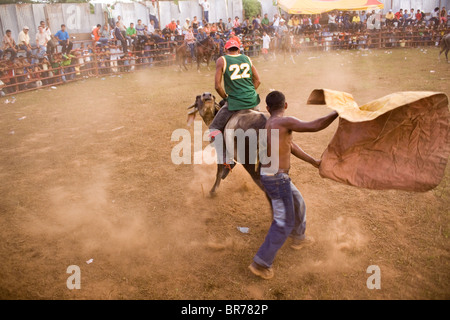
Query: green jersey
(237,78)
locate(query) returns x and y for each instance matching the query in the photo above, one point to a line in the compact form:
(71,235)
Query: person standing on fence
(24,41)
(64,40)
(109,15)
(9,45)
(153,8)
(205,6)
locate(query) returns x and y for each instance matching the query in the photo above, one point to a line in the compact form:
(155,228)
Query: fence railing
(21,76)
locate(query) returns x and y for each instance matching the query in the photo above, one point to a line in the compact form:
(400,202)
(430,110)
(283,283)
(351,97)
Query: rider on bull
(241,80)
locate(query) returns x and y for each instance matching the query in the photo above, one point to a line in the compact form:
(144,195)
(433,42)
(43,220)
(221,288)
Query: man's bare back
(276,105)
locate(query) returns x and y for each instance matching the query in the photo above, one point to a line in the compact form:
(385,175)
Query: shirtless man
(289,211)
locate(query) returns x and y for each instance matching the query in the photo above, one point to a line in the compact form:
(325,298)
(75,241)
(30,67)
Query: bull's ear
(191,117)
(198,97)
(214,97)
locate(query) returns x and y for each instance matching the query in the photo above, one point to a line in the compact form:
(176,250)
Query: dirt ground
(88,175)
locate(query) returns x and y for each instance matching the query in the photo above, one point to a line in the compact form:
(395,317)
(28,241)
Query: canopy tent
(319,6)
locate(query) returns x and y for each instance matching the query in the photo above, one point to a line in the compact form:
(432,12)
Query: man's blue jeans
(289,216)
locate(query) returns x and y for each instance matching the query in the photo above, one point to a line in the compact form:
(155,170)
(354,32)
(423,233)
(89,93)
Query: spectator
(64,40)
(172,26)
(140,29)
(24,41)
(41,42)
(412,18)
(9,45)
(186,25)
(153,13)
(195,24)
(406,17)
(205,5)
(218,40)
(236,26)
(105,35)
(189,38)
(356,22)
(131,34)
(119,37)
(332,22)
(399,17)
(435,16)
(122,27)
(275,23)
(109,14)
(316,24)
(221,26)
(151,27)
(390,18)
(96,34)
(265,23)
(419,17)
(201,34)
(363,18)
(51,43)
(256,23)
(443,16)
(266,45)
(229,27)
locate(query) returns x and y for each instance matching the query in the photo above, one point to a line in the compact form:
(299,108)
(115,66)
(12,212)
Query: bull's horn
(191,106)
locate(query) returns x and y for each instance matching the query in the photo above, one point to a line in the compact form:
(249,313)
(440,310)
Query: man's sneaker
(298,244)
(260,271)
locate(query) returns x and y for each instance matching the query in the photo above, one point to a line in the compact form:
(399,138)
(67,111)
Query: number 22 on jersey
(239,71)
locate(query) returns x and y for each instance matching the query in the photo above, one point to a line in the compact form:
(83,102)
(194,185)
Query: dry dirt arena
(88,175)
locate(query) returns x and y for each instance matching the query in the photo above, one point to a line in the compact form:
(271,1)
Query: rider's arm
(218,78)
(297,125)
(299,153)
(255,77)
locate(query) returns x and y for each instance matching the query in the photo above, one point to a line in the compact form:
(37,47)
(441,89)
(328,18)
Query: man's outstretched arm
(297,125)
(299,153)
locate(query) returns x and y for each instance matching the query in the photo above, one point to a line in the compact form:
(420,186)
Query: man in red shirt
(172,26)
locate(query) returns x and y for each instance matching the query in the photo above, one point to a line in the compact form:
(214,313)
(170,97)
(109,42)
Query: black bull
(206,106)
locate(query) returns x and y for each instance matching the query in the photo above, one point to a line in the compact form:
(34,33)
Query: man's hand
(317,163)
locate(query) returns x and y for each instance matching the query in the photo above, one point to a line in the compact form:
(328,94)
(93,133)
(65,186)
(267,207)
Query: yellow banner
(319,6)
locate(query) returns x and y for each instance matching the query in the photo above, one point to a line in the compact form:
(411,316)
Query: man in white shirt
(50,43)
(24,41)
(41,42)
(205,5)
(153,8)
(266,45)
(276,22)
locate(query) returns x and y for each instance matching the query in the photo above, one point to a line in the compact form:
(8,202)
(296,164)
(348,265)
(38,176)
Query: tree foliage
(251,8)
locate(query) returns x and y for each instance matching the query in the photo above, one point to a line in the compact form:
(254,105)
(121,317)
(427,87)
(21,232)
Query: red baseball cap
(231,43)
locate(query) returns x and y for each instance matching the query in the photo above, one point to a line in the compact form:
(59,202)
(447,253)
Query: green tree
(251,8)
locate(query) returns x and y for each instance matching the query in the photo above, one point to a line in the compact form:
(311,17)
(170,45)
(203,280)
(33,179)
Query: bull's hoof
(212,194)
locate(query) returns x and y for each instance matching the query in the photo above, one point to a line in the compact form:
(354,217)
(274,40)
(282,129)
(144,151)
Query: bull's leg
(446,54)
(219,172)
(442,50)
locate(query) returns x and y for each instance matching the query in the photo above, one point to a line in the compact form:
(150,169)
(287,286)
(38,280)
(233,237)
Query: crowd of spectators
(117,46)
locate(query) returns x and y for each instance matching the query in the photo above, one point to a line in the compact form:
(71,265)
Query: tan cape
(400,141)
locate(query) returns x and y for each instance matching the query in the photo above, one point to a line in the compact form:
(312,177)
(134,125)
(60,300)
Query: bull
(445,44)
(205,105)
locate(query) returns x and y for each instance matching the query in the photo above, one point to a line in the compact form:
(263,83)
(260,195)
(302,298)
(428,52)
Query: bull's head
(206,106)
